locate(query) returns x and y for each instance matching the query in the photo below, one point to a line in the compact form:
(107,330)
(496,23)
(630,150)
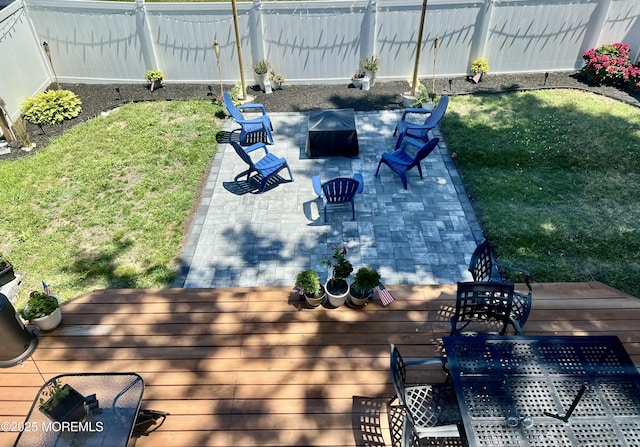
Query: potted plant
(276,79)
(6,271)
(261,69)
(42,310)
(370,65)
(308,284)
(479,67)
(62,402)
(154,78)
(425,98)
(361,291)
(336,287)
(357,78)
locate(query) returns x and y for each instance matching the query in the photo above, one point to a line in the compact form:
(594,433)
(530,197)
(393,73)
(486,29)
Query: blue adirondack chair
(267,167)
(400,162)
(252,130)
(338,190)
(420,131)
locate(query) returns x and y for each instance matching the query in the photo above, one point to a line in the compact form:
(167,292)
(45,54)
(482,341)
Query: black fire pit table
(332,133)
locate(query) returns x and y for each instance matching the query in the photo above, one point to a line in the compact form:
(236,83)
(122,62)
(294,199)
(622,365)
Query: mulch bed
(97,98)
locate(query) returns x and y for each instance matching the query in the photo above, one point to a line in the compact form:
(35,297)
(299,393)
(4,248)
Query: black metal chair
(484,308)
(432,410)
(484,266)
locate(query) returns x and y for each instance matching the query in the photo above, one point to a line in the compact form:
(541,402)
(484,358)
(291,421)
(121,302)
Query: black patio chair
(432,410)
(484,308)
(484,266)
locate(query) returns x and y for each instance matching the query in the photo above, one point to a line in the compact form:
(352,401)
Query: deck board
(246,367)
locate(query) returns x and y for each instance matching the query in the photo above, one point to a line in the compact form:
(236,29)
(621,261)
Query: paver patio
(423,235)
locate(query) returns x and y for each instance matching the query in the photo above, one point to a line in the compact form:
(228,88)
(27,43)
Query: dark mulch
(97,98)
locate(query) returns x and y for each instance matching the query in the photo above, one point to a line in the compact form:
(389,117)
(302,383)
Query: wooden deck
(247,367)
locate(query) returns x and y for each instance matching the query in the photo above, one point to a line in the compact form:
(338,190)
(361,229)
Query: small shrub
(39,305)
(480,64)
(611,65)
(51,107)
(371,63)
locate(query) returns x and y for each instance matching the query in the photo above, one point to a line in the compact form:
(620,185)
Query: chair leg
(379,163)
(353,210)
(403,177)
(325,212)
(395,131)
(419,170)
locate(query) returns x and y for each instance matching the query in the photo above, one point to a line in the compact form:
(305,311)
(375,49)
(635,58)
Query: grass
(106,205)
(554,175)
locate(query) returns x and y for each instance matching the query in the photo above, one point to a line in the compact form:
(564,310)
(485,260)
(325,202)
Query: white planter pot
(49,322)
(427,105)
(408,99)
(372,77)
(261,78)
(336,300)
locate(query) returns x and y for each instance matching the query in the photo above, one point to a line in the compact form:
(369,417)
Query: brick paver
(423,235)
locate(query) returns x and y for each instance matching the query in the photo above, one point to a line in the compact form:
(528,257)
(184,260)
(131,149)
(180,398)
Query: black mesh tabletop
(107,420)
(545,391)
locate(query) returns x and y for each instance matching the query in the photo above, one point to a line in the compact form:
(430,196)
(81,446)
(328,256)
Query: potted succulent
(6,271)
(154,78)
(276,79)
(361,291)
(261,69)
(370,65)
(479,67)
(308,284)
(337,287)
(42,310)
(62,402)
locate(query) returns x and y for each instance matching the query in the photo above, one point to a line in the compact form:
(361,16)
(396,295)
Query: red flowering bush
(610,64)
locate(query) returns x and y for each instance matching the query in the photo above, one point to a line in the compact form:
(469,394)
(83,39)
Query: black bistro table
(545,391)
(332,133)
(118,398)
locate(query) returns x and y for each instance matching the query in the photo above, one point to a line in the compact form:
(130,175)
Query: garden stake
(216,48)
(48,51)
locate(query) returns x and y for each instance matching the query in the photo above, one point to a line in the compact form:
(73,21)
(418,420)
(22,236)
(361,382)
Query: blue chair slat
(267,167)
(338,190)
(252,130)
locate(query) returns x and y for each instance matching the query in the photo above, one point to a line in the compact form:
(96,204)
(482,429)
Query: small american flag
(46,288)
(385,295)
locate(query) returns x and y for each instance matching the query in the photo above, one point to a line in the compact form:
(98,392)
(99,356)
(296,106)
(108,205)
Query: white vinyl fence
(306,41)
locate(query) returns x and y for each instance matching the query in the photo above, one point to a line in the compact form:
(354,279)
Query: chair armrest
(255,147)
(357,176)
(439,431)
(409,110)
(317,186)
(425,361)
(412,141)
(252,106)
(526,273)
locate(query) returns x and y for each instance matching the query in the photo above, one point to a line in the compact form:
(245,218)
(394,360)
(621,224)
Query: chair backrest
(340,190)
(398,373)
(483,305)
(424,151)
(481,264)
(434,117)
(231,108)
(242,154)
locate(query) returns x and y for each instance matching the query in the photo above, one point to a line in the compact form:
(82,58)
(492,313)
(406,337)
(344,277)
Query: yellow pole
(236,26)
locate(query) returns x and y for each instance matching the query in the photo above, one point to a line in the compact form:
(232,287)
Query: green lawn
(106,205)
(554,176)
